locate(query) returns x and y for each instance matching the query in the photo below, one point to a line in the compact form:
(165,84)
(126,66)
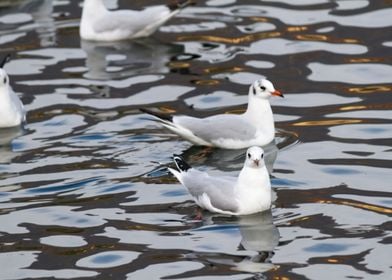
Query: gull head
(263,89)
(254,157)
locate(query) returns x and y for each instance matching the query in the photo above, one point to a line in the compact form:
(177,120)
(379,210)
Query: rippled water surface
(84,191)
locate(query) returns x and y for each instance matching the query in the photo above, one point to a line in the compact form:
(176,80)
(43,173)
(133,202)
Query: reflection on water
(84,189)
(358,73)
(259,235)
(7,135)
(31,15)
(114,60)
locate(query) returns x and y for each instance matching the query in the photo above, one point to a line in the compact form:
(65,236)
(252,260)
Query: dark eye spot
(5,80)
(254,90)
(248,155)
(262,88)
(262,155)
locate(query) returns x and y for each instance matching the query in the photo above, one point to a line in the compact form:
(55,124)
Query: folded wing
(220,190)
(218,127)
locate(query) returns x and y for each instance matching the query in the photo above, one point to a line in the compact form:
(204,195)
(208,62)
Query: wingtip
(179,4)
(6,58)
(165,117)
(181,164)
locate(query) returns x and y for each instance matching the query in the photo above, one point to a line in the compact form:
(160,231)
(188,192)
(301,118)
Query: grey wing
(218,127)
(219,189)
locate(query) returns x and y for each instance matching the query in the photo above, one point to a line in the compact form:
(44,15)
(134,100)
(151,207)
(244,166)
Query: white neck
(93,7)
(10,113)
(253,190)
(259,112)
(5,98)
(254,178)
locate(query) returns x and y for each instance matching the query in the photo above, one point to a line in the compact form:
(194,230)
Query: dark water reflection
(114,60)
(84,191)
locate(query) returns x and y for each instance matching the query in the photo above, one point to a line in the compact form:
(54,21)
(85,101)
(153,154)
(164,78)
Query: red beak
(277,93)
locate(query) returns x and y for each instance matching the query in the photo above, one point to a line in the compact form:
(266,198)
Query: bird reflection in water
(259,238)
(41,12)
(116,60)
(259,234)
(7,135)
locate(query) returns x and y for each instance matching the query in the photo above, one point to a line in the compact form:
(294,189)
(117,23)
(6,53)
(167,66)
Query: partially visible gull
(100,24)
(12,112)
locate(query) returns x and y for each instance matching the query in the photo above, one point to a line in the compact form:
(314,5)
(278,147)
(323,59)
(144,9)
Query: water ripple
(85,190)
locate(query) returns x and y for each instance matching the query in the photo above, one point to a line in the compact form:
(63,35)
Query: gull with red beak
(248,193)
(255,127)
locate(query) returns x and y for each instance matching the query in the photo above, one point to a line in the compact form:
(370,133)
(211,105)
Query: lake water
(84,191)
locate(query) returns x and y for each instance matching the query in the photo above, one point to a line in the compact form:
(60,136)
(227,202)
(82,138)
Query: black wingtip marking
(182,165)
(179,4)
(254,90)
(5,60)
(161,116)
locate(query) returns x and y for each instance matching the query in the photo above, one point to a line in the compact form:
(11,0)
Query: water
(84,189)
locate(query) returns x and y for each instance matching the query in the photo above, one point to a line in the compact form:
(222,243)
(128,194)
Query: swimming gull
(248,193)
(255,127)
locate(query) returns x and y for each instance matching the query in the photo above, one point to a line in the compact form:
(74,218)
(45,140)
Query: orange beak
(277,93)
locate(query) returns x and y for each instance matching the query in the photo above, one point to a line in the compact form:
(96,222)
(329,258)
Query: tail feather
(179,4)
(164,117)
(181,164)
(5,60)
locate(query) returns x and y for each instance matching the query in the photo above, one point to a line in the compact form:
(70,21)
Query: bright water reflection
(84,190)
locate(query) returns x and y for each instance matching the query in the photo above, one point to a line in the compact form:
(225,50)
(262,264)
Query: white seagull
(100,24)
(12,112)
(255,127)
(249,193)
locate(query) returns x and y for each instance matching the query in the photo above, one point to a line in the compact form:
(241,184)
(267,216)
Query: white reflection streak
(14,265)
(373,19)
(355,73)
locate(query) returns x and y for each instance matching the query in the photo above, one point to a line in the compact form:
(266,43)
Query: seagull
(100,24)
(255,127)
(249,193)
(12,112)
